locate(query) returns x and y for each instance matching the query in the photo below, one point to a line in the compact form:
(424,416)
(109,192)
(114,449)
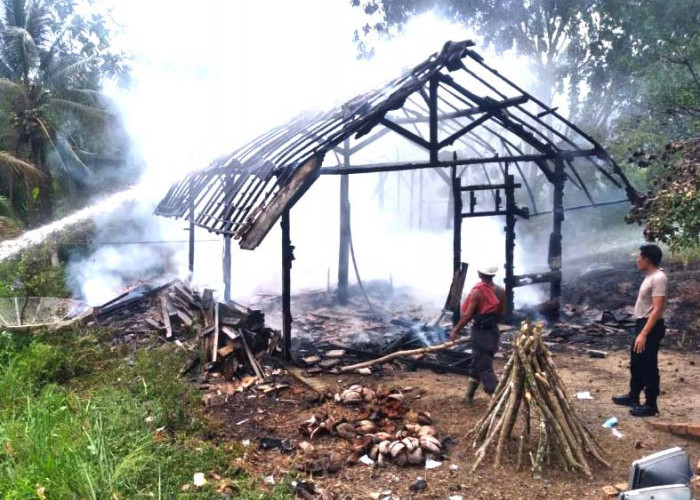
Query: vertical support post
(456,234)
(433,85)
(555,239)
(227,268)
(510,242)
(191,235)
(287,258)
(344,250)
(456,221)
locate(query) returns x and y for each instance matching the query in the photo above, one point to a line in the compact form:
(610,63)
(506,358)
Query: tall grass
(79,426)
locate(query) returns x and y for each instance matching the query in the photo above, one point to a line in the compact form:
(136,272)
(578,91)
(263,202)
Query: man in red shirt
(486,306)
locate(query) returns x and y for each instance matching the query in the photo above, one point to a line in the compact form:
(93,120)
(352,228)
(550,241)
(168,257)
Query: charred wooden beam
(511,210)
(555,248)
(191,229)
(581,207)
(536,278)
(490,187)
(464,130)
(414,138)
(285,198)
(395,167)
(287,258)
(227,268)
(521,212)
(344,250)
(456,222)
(484,108)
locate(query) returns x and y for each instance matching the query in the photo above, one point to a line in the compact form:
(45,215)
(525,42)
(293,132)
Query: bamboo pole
(530,380)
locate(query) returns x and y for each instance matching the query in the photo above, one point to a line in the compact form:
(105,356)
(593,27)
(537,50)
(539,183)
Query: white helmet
(488,269)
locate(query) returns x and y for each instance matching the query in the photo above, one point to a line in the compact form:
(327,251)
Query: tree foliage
(629,70)
(52,117)
(609,58)
(671,214)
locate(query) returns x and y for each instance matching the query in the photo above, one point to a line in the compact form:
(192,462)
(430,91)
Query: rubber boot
(471,390)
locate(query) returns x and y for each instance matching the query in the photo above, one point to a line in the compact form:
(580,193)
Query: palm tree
(9,226)
(50,71)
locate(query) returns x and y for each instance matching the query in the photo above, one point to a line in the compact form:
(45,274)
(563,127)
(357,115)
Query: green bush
(32,274)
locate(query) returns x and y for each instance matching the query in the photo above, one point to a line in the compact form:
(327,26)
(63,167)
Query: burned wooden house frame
(453,99)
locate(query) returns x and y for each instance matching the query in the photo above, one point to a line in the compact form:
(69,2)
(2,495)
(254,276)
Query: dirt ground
(245,416)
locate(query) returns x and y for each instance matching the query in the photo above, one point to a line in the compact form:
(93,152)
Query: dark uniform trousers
(484,344)
(644,366)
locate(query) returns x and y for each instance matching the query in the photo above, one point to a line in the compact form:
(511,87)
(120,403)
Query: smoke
(209,76)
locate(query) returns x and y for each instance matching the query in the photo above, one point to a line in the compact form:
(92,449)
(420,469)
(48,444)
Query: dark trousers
(484,347)
(644,366)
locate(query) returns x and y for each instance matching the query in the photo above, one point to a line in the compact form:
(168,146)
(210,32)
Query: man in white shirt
(649,330)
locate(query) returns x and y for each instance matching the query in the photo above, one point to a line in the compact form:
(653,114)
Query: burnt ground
(239,416)
(612,282)
(609,285)
(245,416)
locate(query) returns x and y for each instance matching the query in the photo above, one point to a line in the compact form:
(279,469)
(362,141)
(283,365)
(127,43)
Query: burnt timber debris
(232,338)
(451,102)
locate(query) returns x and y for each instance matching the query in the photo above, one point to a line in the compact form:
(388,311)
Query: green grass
(81,421)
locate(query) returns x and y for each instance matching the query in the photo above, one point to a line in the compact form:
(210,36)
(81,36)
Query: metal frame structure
(451,100)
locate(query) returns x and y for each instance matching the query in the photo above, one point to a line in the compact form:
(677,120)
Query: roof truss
(452,99)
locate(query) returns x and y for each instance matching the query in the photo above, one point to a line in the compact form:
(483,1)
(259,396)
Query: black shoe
(626,400)
(644,410)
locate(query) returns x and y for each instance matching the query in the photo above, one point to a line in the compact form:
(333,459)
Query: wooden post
(344,250)
(287,258)
(191,249)
(456,234)
(510,242)
(456,221)
(555,248)
(227,268)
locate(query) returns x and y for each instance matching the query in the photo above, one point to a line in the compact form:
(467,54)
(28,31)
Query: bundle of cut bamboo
(530,381)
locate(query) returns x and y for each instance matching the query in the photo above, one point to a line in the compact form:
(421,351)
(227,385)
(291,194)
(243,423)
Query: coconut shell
(416,457)
(413,428)
(401,459)
(427,430)
(368,395)
(430,444)
(384,447)
(365,427)
(346,431)
(424,418)
(383,436)
(396,448)
(351,397)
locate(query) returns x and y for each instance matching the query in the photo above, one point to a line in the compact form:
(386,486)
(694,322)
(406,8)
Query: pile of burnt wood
(320,356)
(232,337)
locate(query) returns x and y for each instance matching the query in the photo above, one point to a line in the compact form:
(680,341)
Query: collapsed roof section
(452,99)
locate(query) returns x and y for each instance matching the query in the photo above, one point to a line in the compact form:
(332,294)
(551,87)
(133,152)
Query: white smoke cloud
(209,76)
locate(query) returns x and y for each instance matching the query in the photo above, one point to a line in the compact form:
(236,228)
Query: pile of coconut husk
(385,430)
(530,383)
